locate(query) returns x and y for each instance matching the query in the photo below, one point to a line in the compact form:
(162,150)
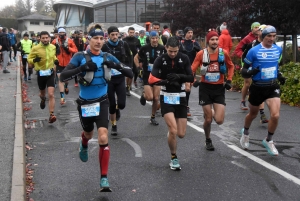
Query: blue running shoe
(104,185)
(270,147)
(83,152)
(174,164)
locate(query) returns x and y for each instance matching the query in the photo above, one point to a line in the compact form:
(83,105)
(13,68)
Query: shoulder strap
(105,56)
(205,56)
(87,56)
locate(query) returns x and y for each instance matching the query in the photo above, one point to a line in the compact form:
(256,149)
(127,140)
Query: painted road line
(248,155)
(135,146)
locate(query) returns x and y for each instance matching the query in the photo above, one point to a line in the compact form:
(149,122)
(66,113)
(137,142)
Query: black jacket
(4,42)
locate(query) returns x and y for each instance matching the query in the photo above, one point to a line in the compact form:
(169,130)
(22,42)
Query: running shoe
(118,114)
(270,147)
(263,119)
(174,164)
(25,77)
(83,152)
(11,60)
(76,85)
(6,71)
(29,77)
(188,111)
(43,103)
(209,146)
(244,141)
(142,100)
(66,91)
(104,185)
(243,105)
(153,122)
(62,101)
(52,118)
(114,130)
(128,91)
(135,84)
(15,59)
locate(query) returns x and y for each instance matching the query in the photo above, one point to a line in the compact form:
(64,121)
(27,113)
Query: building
(79,13)
(35,23)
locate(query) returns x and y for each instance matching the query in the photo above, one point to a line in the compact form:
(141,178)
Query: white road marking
(248,155)
(136,147)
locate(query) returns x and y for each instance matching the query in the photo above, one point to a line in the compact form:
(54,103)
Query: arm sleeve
(125,70)
(229,65)
(72,68)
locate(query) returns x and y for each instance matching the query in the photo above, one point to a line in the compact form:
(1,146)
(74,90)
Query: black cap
(180,32)
(112,29)
(186,29)
(26,34)
(76,32)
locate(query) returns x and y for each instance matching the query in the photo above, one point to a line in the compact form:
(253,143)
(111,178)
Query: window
(35,23)
(48,23)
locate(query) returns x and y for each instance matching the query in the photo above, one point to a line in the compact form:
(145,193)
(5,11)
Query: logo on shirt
(201,102)
(165,63)
(180,61)
(277,91)
(158,52)
(264,55)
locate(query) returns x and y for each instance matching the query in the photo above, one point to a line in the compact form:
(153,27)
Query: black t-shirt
(148,54)
(134,44)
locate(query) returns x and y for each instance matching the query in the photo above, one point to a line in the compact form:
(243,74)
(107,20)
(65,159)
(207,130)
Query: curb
(18,185)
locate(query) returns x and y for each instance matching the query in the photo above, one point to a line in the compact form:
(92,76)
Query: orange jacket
(214,57)
(225,40)
(65,57)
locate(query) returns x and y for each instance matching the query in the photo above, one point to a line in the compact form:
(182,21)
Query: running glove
(281,79)
(56,62)
(228,85)
(89,66)
(173,77)
(111,64)
(37,59)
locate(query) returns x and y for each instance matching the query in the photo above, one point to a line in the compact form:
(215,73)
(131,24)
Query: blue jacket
(12,39)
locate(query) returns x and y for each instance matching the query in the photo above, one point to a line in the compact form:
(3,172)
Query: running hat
(153,34)
(255,24)
(262,27)
(187,29)
(210,34)
(269,29)
(61,30)
(112,29)
(97,31)
(180,32)
(142,32)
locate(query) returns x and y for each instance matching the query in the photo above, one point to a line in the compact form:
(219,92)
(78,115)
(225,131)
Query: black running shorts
(146,77)
(257,94)
(180,111)
(44,81)
(211,93)
(101,120)
(59,69)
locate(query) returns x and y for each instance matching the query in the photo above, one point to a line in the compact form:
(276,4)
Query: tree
(40,6)
(8,12)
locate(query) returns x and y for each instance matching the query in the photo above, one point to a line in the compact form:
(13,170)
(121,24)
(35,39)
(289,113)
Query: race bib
(268,73)
(45,72)
(90,110)
(172,98)
(25,56)
(150,67)
(212,77)
(114,72)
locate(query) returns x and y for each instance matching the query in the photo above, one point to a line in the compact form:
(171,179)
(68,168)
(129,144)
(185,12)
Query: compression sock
(104,153)
(84,140)
(187,97)
(173,156)
(269,137)
(246,131)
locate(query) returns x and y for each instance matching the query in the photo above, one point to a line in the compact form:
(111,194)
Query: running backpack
(206,61)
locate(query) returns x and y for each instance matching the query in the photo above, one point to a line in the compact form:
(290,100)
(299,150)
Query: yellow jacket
(47,54)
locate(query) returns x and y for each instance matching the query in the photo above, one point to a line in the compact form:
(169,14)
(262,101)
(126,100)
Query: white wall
(25,25)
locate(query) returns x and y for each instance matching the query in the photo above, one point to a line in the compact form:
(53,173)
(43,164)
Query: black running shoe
(153,122)
(114,130)
(128,91)
(142,100)
(209,146)
(43,103)
(118,114)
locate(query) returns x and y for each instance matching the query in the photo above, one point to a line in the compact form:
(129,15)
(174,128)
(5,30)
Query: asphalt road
(140,155)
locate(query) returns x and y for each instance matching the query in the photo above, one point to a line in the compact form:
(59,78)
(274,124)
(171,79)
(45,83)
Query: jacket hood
(225,32)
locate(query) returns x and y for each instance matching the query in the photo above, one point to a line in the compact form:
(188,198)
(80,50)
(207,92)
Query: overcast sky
(6,3)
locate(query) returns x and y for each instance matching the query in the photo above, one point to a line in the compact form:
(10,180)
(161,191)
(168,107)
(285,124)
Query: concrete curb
(18,185)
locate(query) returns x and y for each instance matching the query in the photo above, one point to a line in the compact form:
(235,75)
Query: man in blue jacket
(13,42)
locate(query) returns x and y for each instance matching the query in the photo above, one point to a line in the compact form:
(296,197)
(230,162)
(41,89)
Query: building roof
(37,16)
(84,3)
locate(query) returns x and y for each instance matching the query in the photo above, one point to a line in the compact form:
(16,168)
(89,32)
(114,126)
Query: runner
(25,46)
(147,55)
(213,62)
(65,48)
(116,86)
(93,100)
(264,72)
(189,47)
(172,70)
(134,45)
(42,56)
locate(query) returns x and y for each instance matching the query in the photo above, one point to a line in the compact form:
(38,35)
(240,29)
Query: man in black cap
(189,47)
(120,49)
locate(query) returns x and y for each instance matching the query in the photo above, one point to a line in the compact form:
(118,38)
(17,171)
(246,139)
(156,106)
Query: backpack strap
(205,59)
(87,56)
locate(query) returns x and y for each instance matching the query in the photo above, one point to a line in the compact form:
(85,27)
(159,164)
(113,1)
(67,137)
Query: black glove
(254,71)
(89,66)
(111,64)
(56,62)
(281,79)
(174,84)
(173,77)
(22,52)
(228,85)
(196,83)
(37,59)
(66,48)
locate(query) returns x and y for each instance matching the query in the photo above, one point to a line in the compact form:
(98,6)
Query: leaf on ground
(28,147)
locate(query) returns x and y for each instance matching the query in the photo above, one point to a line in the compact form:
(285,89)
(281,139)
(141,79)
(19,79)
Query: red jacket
(225,41)
(65,57)
(248,39)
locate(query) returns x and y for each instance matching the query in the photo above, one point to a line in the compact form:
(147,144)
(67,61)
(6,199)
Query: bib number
(25,56)
(268,73)
(212,77)
(150,67)
(45,72)
(172,98)
(114,72)
(90,110)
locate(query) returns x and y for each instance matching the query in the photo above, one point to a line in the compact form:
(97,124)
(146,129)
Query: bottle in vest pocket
(107,73)
(203,69)
(205,62)
(221,61)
